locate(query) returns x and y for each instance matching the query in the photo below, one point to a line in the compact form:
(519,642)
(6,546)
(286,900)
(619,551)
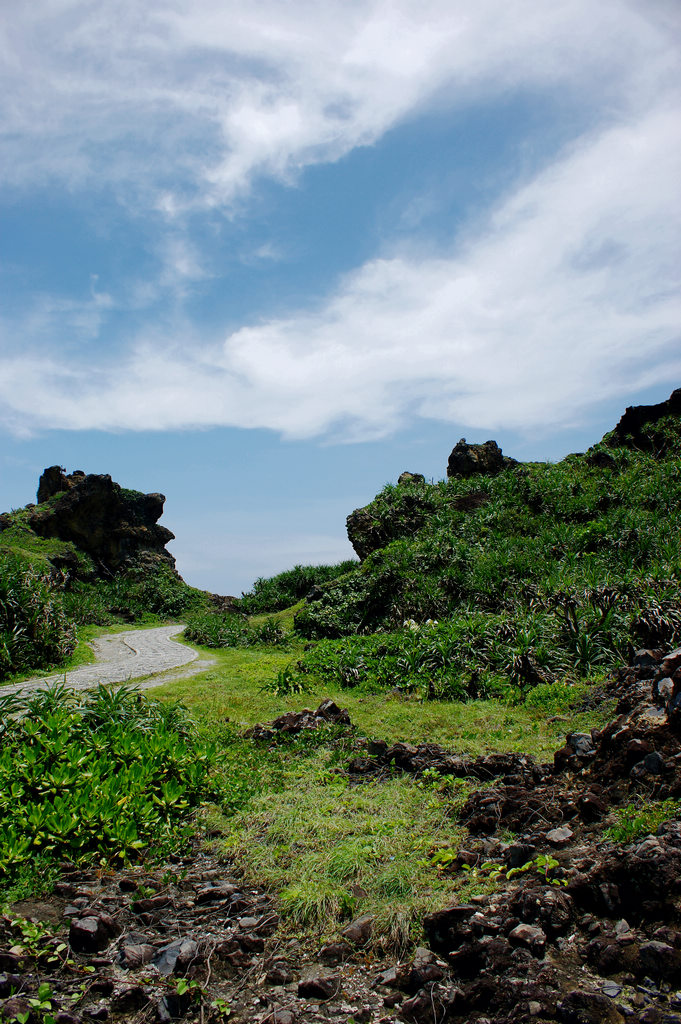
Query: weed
(635,820)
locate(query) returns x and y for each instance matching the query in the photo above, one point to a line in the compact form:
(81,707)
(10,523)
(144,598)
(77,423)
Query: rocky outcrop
(293,722)
(486,459)
(581,925)
(115,526)
(631,430)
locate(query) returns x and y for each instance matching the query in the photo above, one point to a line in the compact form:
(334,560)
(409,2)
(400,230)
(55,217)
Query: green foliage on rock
(131,595)
(539,572)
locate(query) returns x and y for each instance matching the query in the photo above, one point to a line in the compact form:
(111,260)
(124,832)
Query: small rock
(137,955)
(611,989)
(92,934)
(358,932)
(581,743)
(129,999)
(335,953)
(560,836)
(150,906)
(530,936)
(172,1006)
(211,893)
(278,1016)
(15,1007)
(580,1007)
(176,957)
(318,984)
(661,961)
(100,1012)
(519,854)
(279,974)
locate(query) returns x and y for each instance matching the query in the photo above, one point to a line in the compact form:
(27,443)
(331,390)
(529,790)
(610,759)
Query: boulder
(468,459)
(631,430)
(115,526)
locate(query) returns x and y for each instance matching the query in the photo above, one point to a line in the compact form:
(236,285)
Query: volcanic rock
(487,459)
(115,526)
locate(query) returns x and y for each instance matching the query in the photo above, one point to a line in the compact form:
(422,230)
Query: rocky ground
(577,928)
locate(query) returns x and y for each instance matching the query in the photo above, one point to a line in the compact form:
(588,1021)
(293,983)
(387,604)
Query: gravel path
(120,657)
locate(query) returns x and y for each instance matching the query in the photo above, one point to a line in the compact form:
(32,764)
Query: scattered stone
(316,983)
(529,935)
(335,953)
(358,932)
(135,955)
(560,836)
(92,934)
(328,713)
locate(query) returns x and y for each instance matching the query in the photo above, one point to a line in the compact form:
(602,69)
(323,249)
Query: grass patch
(331,850)
(637,820)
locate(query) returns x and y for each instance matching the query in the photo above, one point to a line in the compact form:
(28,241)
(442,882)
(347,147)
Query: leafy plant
(105,775)
(35,632)
(287,588)
(636,820)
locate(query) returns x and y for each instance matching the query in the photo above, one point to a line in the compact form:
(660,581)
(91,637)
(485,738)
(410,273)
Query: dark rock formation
(115,526)
(293,722)
(411,478)
(487,459)
(630,432)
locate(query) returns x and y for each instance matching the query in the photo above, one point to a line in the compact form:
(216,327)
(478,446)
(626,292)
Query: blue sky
(263,257)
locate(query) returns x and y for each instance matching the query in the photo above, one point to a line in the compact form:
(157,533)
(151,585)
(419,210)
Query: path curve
(120,657)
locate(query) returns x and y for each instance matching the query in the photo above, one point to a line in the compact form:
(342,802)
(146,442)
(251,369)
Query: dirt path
(134,654)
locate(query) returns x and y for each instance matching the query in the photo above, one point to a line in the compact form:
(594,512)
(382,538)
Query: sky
(263,257)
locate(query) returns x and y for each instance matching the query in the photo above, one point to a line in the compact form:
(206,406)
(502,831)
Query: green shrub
(35,631)
(107,776)
(572,567)
(222,629)
(287,588)
(131,595)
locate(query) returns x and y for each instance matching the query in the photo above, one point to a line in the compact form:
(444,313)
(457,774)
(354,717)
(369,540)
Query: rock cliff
(115,526)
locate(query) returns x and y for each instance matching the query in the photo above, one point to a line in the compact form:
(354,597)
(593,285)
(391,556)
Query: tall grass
(35,631)
(275,593)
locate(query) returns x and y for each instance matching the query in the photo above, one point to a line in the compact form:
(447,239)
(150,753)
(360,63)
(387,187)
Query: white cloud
(189,104)
(568,293)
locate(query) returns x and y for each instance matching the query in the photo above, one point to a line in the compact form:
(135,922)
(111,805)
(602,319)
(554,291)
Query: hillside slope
(512,574)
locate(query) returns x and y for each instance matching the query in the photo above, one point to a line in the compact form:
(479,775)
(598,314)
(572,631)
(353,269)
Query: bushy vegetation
(287,588)
(35,631)
(478,653)
(542,571)
(108,776)
(131,596)
(222,629)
